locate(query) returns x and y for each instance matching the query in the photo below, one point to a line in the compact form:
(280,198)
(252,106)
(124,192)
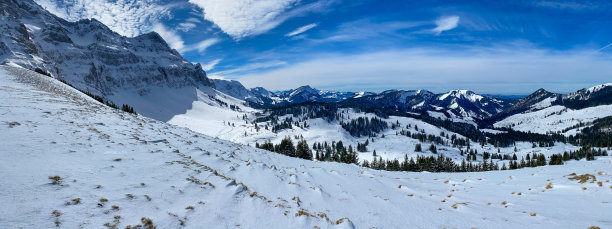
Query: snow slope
(554,118)
(49,129)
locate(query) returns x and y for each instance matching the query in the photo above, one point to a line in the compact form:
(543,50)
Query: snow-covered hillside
(116,169)
(554,119)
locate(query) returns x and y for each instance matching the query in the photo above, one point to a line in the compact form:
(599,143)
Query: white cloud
(174,40)
(446,23)
(243,18)
(210,65)
(251,67)
(575,5)
(126,17)
(301,30)
(203,45)
(507,70)
(185,26)
(366,29)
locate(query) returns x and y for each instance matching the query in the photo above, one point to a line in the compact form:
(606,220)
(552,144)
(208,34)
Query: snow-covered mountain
(309,94)
(544,112)
(391,99)
(537,100)
(237,90)
(467,104)
(261,96)
(457,103)
(588,97)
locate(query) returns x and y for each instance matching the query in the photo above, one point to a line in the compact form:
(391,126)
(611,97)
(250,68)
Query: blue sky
(495,47)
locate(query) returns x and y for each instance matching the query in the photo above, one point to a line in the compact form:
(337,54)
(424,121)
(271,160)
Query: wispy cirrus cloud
(244,18)
(257,66)
(126,17)
(211,65)
(175,41)
(446,23)
(203,45)
(301,30)
(575,5)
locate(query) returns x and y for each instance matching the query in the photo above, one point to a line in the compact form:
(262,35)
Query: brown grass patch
(456,205)
(583,178)
(549,185)
(341,220)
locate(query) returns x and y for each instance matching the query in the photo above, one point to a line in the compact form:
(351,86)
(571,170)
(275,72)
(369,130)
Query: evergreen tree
(286,147)
(433,149)
(417,147)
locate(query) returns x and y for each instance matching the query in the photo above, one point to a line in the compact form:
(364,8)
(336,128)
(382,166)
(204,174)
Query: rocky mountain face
(90,56)
(237,90)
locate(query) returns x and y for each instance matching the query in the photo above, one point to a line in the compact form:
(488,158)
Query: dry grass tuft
(455,206)
(341,220)
(549,186)
(532,214)
(583,178)
(57,180)
(147,223)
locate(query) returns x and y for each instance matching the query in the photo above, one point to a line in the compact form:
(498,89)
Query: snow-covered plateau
(71,162)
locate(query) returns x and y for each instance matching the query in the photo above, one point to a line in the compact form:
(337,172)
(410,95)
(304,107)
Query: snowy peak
(461,94)
(537,100)
(308,94)
(589,97)
(89,55)
(587,93)
(391,99)
(467,104)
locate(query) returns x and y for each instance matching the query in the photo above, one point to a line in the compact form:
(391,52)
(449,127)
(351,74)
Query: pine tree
(286,147)
(417,147)
(433,149)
